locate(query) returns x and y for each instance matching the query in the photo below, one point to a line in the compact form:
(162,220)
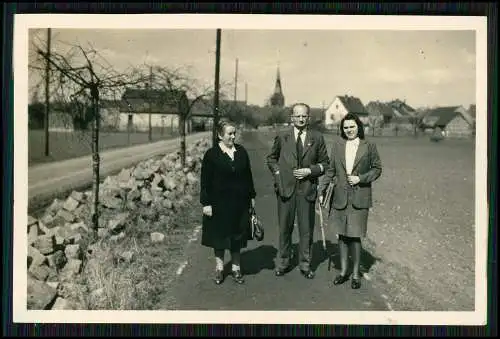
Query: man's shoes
(219,277)
(281,271)
(238,277)
(340,279)
(308,274)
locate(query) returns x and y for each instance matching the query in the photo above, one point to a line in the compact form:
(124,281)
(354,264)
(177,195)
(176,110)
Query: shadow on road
(258,259)
(332,251)
(263,258)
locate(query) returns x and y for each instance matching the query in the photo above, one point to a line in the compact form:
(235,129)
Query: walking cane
(320,212)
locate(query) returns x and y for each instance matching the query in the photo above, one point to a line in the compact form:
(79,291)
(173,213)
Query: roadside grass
(68,145)
(133,272)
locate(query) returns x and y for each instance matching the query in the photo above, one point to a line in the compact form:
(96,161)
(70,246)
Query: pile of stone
(58,242)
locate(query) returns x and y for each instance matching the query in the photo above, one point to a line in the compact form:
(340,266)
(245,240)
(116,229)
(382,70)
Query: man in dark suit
(297,159)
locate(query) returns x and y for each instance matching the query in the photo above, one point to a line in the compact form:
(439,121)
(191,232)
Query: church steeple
(278,99)
(277,87)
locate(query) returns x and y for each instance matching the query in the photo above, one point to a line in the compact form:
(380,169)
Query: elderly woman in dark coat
(227,194)
(354,165)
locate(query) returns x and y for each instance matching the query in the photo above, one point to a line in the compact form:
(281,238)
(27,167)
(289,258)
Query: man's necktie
(300,148)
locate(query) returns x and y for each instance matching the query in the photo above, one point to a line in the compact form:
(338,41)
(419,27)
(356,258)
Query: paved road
(46,180)
(194,289)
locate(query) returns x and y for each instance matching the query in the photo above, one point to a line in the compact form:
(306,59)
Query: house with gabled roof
(340,106)
(455,121)
(403,113)
(472,111)
(61,117)
(110,113)
(202,111)
(380,111)
(163,106)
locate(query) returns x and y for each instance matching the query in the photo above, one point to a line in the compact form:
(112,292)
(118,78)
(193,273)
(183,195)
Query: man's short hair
(301,104)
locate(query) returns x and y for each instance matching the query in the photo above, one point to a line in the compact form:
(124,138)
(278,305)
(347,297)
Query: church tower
(277,99)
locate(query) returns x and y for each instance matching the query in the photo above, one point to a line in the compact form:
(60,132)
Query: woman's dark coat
(226,185)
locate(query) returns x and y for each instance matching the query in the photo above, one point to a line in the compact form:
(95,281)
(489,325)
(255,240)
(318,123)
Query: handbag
(256,226)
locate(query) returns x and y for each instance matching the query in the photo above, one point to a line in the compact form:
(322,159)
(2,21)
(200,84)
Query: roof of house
(202,107)
(107,103)
(401,108)
(472,111)
(441,116)
(205,107)
(353,104)
(379,108)
(164,102)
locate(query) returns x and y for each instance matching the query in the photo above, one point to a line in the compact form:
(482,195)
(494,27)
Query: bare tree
(375,121)
(416,122)
(83,77)
(178,90)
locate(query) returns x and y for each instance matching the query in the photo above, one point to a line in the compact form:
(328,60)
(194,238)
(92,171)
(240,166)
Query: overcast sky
(426,68)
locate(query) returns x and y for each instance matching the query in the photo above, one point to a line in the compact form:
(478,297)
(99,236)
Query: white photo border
(24,22)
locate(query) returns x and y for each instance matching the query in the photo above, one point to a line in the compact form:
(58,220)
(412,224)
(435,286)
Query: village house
(164,107)
(380,113)
(110,114)
(402,110)
(202,112)
(342,105)
(61,117)
(202,115)
(472,111)
(454,121)
(404,114)
(60,121)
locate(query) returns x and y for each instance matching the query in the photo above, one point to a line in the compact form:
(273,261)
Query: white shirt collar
(296,132)
(354,142)
(228,150)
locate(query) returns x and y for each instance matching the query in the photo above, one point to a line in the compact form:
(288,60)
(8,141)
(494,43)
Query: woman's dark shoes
(238,277)
(219,277)
(307,273)
(340,279)
(355,283)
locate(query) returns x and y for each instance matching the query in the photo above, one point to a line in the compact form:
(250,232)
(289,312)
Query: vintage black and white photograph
(239,163)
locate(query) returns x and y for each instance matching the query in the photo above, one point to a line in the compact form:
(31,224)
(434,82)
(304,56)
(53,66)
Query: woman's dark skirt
(350,222)
(229,226)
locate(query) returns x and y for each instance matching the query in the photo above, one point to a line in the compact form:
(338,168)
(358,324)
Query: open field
(67,145)
(422,225)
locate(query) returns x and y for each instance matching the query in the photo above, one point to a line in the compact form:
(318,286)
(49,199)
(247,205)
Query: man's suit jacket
(283,159)
(367,166)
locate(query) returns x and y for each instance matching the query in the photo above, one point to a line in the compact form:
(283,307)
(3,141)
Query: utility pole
(246,93)
(216,94)
(236,81)
(47,94)
(150,137)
